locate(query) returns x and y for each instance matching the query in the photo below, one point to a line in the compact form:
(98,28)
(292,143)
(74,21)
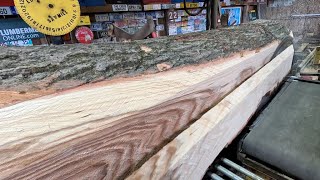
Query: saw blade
(51,17)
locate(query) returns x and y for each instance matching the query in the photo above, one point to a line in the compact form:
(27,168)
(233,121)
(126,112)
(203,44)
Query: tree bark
(26,69)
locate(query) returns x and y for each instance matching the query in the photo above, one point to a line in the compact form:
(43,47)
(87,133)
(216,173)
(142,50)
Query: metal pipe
(215,176)
(228,173)
(241,169)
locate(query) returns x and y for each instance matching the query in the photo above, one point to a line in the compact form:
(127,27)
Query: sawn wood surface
(109,131)
(188,156)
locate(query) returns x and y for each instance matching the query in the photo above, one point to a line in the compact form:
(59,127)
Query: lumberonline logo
(18,33)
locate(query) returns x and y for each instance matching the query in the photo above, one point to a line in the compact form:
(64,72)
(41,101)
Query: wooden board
(189,155)
(106,132)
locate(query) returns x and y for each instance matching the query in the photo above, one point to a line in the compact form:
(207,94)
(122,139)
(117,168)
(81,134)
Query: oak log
(30,72)
(109,131)
(189,155)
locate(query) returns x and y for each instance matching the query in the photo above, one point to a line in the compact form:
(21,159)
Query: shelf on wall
(110,8)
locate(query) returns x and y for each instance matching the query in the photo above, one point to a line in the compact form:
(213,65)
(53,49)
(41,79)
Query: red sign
(84,35)
(6,3)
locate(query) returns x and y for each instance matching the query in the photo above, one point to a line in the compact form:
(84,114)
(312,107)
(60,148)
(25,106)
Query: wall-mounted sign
(150,7)
(134,7)
(27,42)
(119,7)
(128,15)
(102,17)
(115,16)
(8,10)
(159,14)
(84,35)
(6,3)
(189,5)
(139,15)
(103,34)
(160,27)
(54,18)
(100,26)
(84,21)
(96,26)
(17,29)
(168,6)
(234,15)
(172,14)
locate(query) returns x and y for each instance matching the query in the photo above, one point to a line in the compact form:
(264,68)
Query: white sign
(5,11)
(133,7)
(119,7)
(102,17)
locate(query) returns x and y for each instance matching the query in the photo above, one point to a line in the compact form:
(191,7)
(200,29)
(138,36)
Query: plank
(189,155)
(39,70)
(106,132)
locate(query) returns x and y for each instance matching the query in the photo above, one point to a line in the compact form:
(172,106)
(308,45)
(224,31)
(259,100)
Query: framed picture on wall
(234,14)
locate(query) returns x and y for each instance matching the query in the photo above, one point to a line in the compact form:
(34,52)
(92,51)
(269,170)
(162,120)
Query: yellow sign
(51,17)
(84,21)
(190,5)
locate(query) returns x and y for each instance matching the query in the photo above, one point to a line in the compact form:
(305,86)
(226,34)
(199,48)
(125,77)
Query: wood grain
(189,155)
(107,132)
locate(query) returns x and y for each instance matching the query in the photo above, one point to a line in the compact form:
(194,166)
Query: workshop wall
(293,14)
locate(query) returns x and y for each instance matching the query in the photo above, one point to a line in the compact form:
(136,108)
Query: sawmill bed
(280,141)
(286,133)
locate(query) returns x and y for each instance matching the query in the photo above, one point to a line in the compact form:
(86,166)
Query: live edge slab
(110,130)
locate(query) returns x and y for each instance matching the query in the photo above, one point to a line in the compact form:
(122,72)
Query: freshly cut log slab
(29,72)
(189,155)
(109,131)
